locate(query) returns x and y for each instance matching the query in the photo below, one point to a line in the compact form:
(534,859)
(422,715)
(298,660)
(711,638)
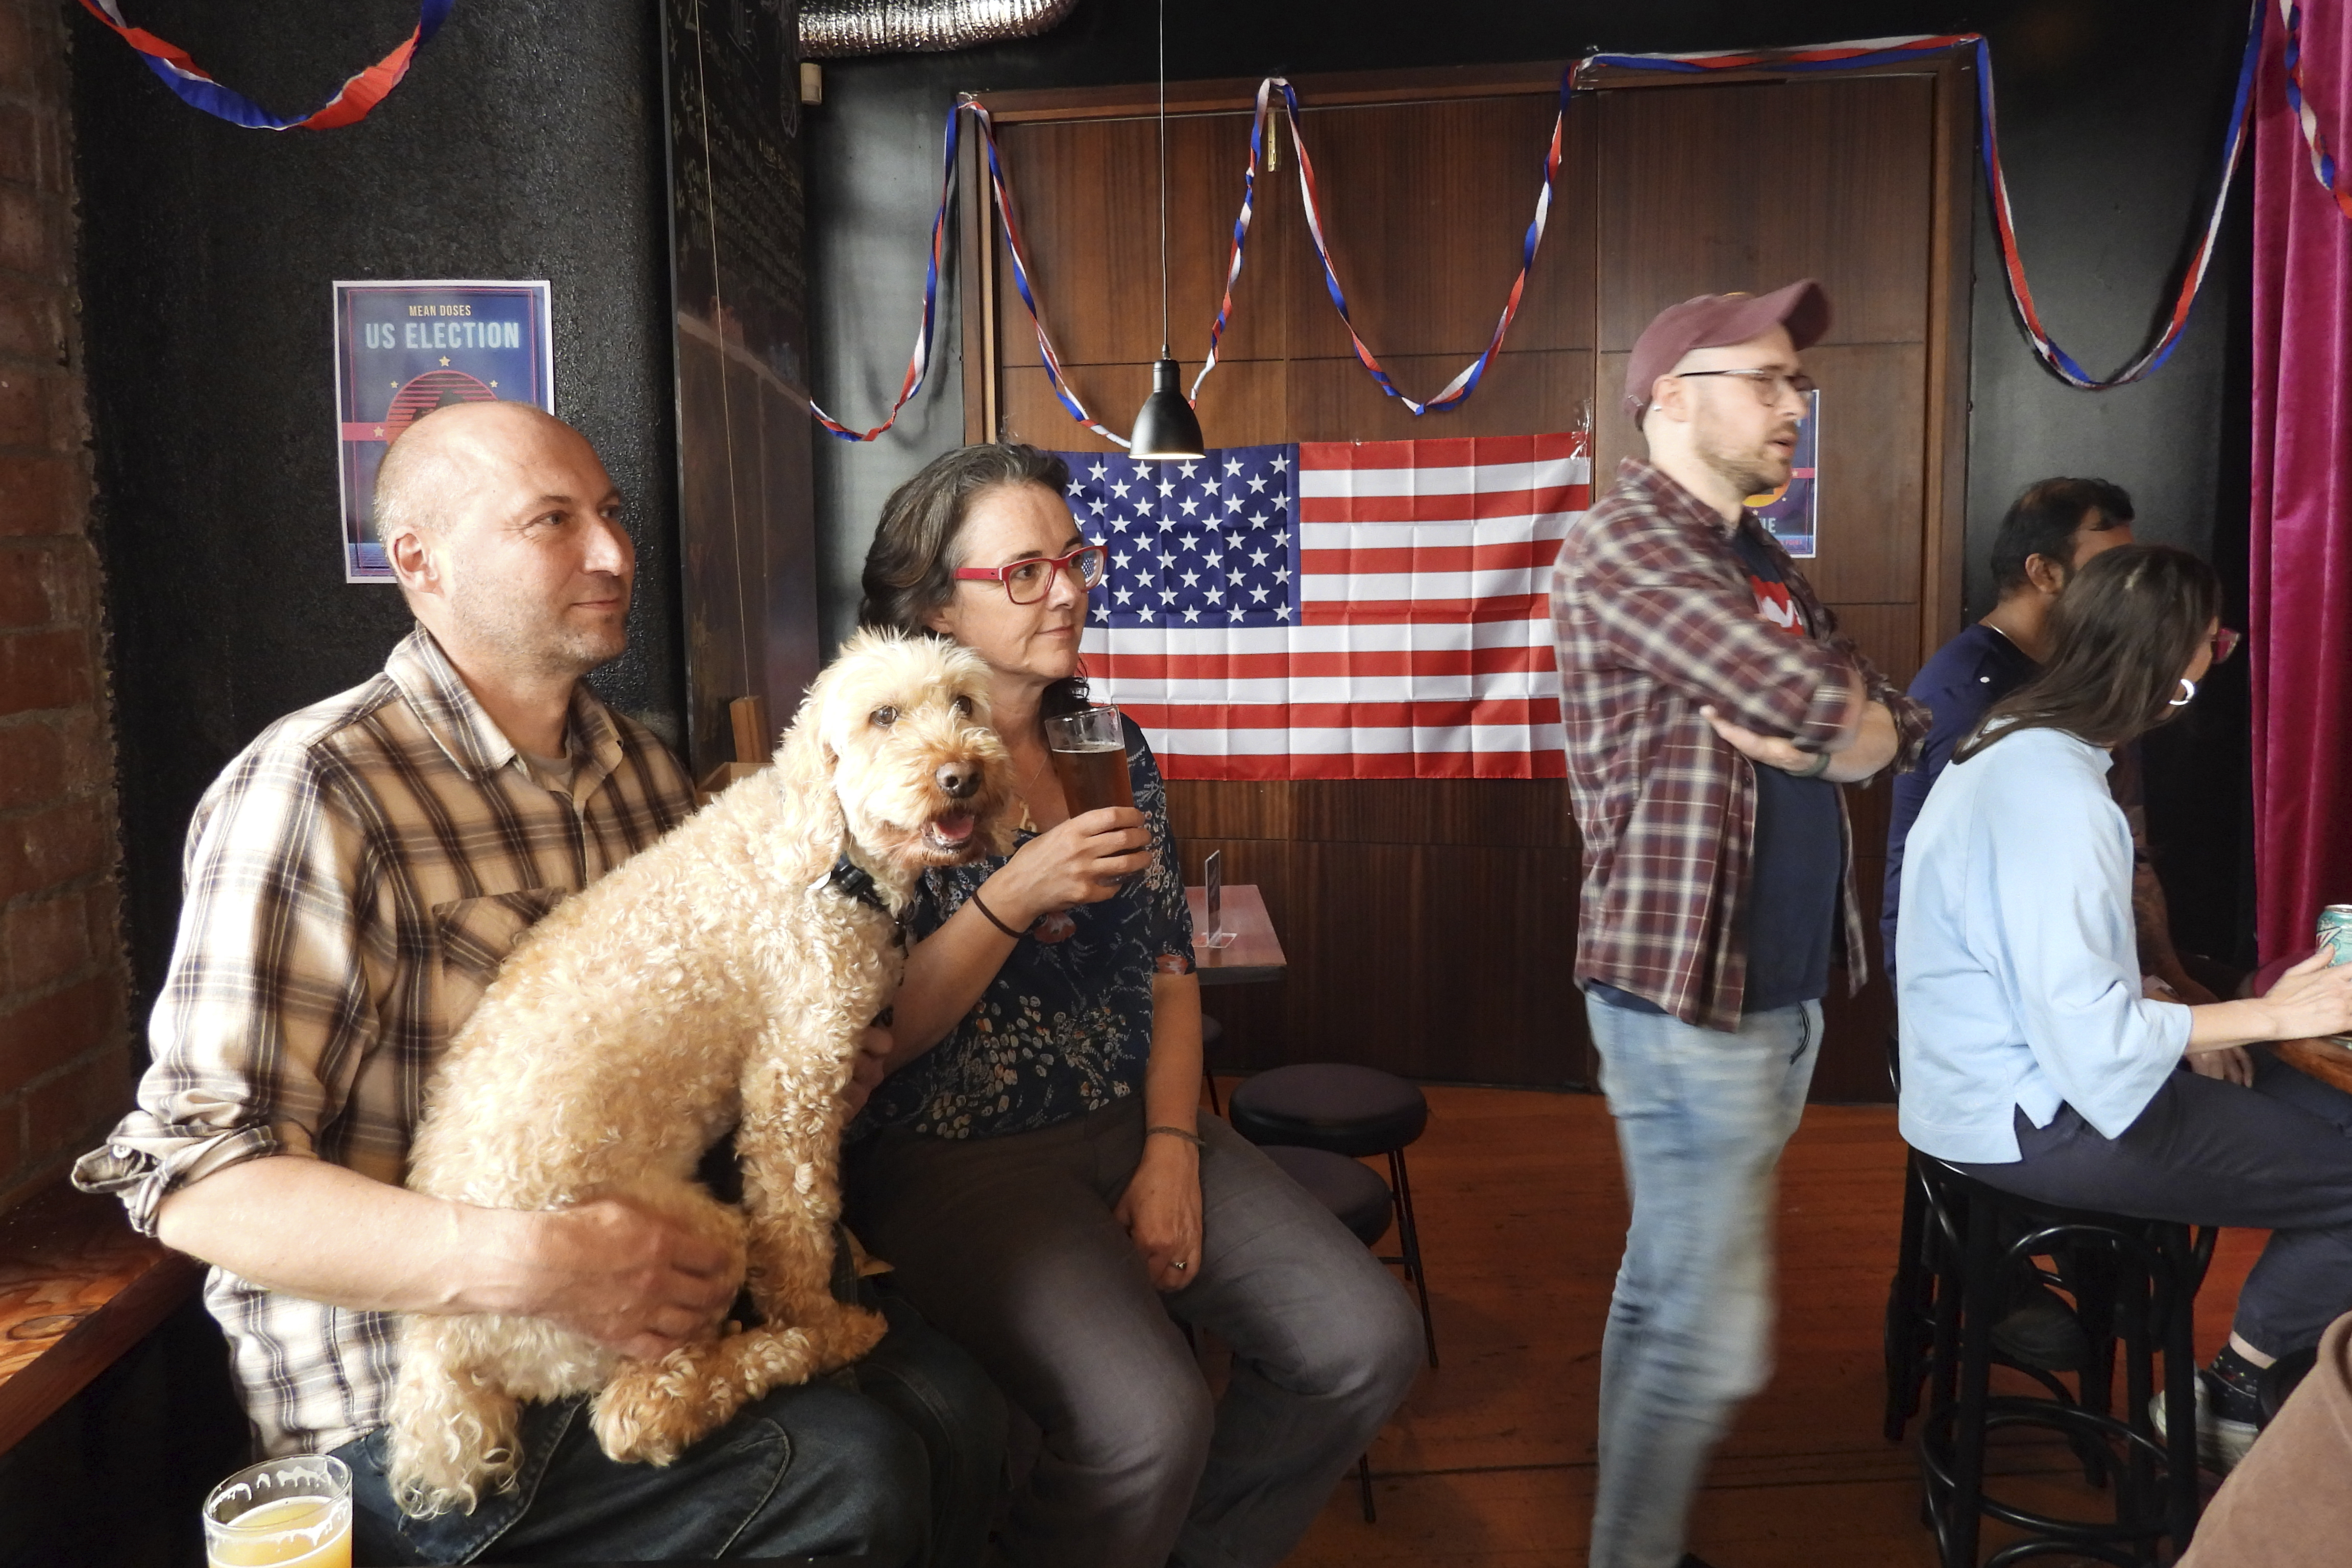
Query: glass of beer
(295,1513)
(1090,759)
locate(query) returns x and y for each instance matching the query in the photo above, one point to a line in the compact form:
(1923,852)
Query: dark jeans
(899,1459)
(2277,1155)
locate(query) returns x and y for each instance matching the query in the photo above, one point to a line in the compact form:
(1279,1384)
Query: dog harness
(853,881)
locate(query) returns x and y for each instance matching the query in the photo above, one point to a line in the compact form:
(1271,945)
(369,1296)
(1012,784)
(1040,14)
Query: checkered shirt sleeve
(353,880)
(1655,618)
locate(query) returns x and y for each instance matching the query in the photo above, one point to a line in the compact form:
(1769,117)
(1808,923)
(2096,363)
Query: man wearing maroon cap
(1711,710)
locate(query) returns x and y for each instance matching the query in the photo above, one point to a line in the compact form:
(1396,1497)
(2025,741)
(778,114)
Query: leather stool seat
(1337,1107)
(1353,1192)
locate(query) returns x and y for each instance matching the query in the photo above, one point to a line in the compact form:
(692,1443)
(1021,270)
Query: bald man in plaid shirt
(1711,710)
(354,879)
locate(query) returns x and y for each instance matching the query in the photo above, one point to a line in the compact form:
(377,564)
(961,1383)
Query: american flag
(1335,609)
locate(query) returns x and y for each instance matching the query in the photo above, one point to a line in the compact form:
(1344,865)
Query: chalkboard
(740,320)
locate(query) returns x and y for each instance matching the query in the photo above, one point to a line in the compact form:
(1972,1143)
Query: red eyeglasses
(2225,643)
(1025,582)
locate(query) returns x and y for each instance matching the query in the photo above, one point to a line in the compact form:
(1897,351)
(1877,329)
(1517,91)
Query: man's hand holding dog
(624,1277)
(867,1068)
(609,1270)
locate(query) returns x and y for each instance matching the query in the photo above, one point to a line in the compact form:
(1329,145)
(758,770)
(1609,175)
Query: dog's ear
(804,776)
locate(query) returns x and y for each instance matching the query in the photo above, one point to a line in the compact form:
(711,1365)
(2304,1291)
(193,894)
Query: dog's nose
(959,779)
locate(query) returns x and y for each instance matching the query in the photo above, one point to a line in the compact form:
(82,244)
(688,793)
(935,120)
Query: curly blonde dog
(721,978)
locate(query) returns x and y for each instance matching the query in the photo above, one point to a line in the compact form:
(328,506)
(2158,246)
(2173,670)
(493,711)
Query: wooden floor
(1523,1214)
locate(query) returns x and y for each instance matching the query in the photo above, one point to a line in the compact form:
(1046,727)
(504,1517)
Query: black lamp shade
(1166,426)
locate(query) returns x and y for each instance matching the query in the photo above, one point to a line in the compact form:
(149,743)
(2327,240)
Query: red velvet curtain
(2302,545)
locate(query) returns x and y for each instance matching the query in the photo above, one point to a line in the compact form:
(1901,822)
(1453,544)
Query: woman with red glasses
(1035,1166)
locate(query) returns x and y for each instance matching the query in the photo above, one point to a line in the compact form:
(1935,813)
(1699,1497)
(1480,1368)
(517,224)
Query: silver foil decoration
(833,28)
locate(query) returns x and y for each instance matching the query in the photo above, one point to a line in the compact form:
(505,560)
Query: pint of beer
(294,1512)
(1090,759)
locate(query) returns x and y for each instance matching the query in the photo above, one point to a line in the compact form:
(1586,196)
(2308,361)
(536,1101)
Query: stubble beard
(539,642)
(1754,471)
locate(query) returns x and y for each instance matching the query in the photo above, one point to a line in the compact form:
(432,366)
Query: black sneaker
(2040,1331)
(2224,1432)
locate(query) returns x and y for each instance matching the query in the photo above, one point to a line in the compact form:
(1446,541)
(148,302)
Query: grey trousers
(1009,1246)
(2277,1155)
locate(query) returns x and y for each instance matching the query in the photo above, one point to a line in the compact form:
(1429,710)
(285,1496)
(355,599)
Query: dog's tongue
(955,828)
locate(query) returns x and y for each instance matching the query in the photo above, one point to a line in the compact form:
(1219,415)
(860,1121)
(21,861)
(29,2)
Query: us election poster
(1793,512)
(404,349)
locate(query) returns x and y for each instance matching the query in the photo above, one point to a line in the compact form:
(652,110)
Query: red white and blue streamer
(1856,55)
(196,87)
(2323,163)
(1455,392)
(1881,51)
(919,363)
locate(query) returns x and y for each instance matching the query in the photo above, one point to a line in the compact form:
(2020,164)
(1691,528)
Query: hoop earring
(2187,694)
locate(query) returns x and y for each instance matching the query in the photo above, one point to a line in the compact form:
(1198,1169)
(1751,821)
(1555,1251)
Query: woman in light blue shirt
(2033,1059)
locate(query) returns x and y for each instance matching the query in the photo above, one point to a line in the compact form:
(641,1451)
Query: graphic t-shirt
(1798,854)
(1799,846)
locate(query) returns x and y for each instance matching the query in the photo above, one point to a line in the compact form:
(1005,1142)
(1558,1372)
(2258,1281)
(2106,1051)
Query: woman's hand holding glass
(1077,862)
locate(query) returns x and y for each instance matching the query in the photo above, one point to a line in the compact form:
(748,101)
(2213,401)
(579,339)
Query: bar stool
(1342,1108)
(2135,1283)
(1212,1033)
(1357,1199)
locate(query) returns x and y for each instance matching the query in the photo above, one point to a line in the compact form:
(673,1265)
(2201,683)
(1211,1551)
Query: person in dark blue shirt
(2051,529)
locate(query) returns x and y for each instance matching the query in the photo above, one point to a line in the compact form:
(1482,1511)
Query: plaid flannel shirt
(1655,617)
(353,880)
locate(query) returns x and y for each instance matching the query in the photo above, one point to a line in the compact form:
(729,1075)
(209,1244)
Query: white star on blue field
(1208,541)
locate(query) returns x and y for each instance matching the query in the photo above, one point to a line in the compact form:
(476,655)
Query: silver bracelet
(1194,1139)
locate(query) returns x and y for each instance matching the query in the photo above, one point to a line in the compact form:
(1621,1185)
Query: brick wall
(64,1049)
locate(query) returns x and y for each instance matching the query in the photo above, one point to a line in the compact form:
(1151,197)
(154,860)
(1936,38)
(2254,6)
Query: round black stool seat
(2135,1287)
(1353,1192)
(1333,1106)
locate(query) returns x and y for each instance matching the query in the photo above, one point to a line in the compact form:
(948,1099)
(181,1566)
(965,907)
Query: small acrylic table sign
(1212,873)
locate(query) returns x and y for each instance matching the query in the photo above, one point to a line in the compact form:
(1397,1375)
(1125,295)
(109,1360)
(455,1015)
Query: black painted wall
(2111,111)
(525,143)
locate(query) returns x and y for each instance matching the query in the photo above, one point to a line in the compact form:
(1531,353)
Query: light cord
(1163,179)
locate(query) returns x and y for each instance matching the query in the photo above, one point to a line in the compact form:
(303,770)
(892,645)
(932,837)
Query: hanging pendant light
(1165,428)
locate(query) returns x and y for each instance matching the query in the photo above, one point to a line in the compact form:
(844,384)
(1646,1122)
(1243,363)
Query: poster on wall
(404,348)
(1792,512)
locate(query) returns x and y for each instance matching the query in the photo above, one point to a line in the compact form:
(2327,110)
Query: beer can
(2335,935)
(2336,932)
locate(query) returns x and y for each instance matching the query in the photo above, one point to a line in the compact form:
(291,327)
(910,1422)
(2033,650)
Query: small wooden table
(2327,1063)
(78,1288)
(2321,1059)
(1255,952)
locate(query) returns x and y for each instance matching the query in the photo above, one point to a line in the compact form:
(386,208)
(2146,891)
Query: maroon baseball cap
(1712,320)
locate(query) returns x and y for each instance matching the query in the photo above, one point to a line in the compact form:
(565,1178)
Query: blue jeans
(899,1459)
(1701,1119)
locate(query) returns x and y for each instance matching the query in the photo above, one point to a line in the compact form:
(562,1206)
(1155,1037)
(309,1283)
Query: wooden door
(1430,925)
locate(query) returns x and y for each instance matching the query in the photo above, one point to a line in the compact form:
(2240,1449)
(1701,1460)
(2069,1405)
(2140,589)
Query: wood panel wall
(1430,925)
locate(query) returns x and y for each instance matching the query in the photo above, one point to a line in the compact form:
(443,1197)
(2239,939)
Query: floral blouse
(1065,1026)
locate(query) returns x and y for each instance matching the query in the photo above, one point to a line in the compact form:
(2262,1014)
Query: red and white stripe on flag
(1422,643)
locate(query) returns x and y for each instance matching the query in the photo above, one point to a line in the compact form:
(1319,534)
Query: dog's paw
(847,1333)
(651,1412)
